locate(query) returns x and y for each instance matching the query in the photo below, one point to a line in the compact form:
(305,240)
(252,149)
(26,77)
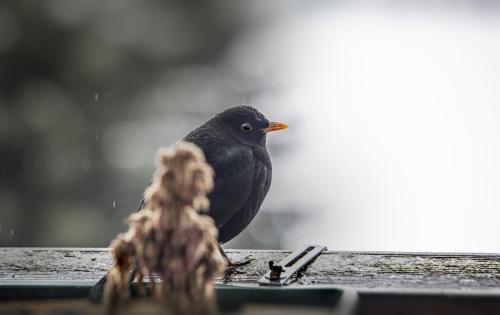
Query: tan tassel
(170,237)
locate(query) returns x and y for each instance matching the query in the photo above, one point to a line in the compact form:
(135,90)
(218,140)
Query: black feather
(241,164)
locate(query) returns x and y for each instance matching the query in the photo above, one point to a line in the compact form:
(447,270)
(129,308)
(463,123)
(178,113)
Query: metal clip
(280,273)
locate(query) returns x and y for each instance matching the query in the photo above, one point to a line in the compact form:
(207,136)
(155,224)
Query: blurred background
(393,107)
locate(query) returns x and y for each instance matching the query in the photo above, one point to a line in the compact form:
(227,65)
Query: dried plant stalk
(171,238)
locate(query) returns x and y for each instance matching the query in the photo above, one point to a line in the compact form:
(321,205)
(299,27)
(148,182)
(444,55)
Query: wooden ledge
(386,282)
(365,271)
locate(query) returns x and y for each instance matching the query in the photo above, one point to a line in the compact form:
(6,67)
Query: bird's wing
(240,220)
(234,169)
(233,165)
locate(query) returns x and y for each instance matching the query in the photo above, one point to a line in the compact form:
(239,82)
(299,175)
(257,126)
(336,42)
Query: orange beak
(273,126)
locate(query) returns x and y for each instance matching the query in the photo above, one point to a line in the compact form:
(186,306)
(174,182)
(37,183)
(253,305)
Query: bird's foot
(232,268)
(245,262)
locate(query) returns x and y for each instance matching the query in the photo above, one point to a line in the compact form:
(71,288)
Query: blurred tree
(81,85)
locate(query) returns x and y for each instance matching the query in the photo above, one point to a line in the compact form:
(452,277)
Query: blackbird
(234,144)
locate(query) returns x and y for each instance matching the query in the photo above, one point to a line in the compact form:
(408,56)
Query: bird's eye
(246,127)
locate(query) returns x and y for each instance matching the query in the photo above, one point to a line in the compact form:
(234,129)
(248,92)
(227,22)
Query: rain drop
(96,97)
(11,232)
(114,204)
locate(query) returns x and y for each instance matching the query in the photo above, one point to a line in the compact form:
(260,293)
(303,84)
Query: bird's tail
(95,294)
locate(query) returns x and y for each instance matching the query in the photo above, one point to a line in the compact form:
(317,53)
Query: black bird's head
(247,125)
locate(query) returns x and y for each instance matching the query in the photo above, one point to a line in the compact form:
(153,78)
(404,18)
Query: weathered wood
(366,272)
(386,283)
